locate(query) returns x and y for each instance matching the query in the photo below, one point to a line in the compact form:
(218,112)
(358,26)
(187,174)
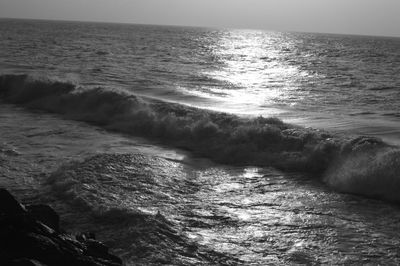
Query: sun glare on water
(254,73)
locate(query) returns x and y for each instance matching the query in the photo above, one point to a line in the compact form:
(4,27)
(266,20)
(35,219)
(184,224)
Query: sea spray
(374,173)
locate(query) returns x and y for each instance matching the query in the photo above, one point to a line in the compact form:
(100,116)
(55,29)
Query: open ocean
(198,146)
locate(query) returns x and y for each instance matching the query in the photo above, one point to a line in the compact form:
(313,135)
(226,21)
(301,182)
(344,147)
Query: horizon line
(198,26)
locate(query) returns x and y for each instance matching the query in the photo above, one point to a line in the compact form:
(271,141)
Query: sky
(365,17)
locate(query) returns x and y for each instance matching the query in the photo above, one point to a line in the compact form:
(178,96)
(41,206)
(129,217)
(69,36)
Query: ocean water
(192,146)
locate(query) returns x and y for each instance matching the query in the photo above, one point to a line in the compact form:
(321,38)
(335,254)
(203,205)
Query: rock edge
(31,235)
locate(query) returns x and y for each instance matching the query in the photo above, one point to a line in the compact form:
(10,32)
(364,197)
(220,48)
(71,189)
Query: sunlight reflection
(254,73)
(251,172)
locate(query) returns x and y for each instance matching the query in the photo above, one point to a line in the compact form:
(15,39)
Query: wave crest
(375,173)
(219,136)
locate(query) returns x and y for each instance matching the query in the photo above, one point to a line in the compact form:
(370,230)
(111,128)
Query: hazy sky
(371,17)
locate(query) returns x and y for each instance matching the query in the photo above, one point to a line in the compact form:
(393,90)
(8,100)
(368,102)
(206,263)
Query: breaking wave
(225,138)
(375,173)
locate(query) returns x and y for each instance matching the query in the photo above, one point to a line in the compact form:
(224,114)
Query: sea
(204,146)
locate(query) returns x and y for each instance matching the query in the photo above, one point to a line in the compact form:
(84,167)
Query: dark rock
(9,205)
(96,246)
(98,249)
(26,262)
(27,239)
(46,215)
(84,236)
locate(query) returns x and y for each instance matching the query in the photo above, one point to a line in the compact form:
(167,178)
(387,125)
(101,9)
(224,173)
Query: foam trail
(219,136)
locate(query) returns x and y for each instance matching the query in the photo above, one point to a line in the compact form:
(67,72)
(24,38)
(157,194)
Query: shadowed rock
(31,236)
(8,204)
(45,214)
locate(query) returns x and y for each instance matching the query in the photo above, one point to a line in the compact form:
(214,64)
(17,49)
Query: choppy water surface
(98,121)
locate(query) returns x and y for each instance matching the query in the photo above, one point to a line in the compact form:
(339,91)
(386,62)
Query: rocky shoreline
(31,235)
